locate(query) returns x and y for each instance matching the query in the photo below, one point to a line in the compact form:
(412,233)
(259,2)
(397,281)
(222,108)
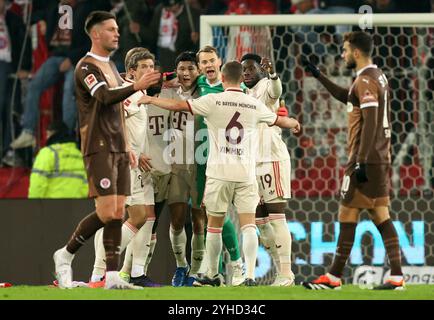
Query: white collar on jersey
(367,67)
(213,84)
(234,89)
(97,57)
(188,93)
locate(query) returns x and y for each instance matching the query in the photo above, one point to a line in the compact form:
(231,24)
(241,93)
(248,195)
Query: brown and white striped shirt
(369,128)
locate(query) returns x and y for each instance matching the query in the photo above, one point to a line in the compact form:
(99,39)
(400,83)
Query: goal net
(404,51)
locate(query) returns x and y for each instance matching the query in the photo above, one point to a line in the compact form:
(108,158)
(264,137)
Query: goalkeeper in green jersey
(210,82)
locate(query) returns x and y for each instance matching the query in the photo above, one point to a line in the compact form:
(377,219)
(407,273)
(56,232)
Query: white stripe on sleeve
(92,92)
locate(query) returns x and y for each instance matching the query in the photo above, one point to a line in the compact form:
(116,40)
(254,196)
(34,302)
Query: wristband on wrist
(274,76)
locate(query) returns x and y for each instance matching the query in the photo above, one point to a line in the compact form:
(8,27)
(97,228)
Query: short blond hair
(130,53)
(207,49)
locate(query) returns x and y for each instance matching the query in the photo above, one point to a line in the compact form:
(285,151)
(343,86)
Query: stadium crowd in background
(165,27)
(169,29)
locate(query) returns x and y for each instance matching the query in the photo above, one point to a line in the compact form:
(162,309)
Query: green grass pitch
(348,292)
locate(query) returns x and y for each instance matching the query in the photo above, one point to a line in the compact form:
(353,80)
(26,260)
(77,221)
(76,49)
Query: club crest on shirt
(127,103)
(105,183)
(90,81)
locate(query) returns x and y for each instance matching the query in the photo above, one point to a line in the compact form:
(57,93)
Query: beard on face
(110,46)
(351,64)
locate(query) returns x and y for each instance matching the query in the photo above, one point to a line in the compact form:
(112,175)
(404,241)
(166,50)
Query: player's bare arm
(336,91)
(148,79)
(168,104)
(288,123)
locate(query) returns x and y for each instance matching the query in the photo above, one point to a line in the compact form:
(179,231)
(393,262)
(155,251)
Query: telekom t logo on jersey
(156,124)
(179,120)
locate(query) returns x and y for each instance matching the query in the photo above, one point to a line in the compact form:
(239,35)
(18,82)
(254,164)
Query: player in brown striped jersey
(105,148)
(366,182)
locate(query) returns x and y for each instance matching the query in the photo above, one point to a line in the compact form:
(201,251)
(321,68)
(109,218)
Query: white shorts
(274,181)
(220,194)
(142,189)
(161,187)
(183,187)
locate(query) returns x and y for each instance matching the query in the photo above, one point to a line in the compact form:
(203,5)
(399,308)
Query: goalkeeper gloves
(360,171)
(310,67)
(282,111)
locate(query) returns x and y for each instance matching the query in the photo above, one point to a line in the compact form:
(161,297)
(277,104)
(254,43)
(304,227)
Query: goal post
(403,50)
(207,22)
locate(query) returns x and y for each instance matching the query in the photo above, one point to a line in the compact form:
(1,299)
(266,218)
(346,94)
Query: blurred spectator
(302,6)
(400,6)
(419,6)
(12,33)
(382,6)
(216,7)
(133,18)
(175,28)
(66,47)
(58,170)
(308,35)
(337,6)
(242,7)
(199,5)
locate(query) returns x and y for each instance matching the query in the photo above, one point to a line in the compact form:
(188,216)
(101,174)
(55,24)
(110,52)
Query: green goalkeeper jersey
(205,88)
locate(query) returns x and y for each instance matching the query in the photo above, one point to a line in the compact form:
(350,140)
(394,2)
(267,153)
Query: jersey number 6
(234,124)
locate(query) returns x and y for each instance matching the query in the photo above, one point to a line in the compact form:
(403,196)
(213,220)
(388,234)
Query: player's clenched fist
(147,80)
(267,65)
(297,127)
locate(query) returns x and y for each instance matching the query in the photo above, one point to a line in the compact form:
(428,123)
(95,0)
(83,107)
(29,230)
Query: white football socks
(268,240)
(214,245)
(250,248)
(197,252)
(178,238)
(283,243)
(140,248)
